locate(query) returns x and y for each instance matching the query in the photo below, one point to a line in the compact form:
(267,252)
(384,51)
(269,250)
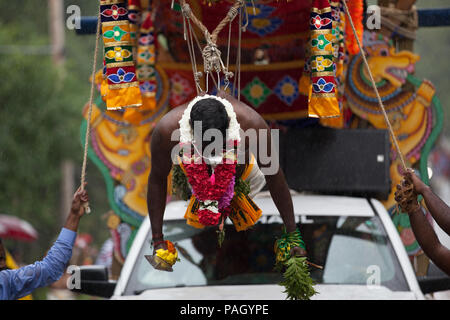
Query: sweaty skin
(161,164)
(424,232)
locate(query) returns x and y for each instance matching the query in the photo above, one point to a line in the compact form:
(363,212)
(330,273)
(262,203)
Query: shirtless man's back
(161,164)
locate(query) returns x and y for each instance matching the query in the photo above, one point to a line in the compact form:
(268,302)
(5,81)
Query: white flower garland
(234,127)
(211,205)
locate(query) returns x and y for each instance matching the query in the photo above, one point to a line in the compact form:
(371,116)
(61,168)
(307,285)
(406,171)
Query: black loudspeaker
(337,161)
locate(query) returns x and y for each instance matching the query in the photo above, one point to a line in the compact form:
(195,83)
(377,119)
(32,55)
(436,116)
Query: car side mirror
(435,280)
(429,284)
(93,280)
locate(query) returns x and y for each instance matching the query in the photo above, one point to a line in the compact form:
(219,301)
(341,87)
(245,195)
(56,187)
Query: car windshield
(352,250)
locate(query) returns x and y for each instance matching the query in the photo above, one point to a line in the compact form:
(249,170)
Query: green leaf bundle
(297,280)
(180,184)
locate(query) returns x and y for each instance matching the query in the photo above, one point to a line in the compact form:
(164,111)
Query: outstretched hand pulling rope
(91,99)
(380,102)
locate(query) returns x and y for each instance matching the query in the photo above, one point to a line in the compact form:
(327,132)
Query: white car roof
(304,204)
(270,292)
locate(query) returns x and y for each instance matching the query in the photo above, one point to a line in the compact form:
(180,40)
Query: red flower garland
(356,11)
(207,188)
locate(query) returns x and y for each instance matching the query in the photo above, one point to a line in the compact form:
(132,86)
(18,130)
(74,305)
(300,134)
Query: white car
(353,239)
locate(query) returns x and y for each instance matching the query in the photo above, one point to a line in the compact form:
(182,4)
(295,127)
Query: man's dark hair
(212,114)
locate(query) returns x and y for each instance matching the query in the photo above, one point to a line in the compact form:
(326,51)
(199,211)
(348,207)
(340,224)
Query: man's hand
(298,252)
(80,198)
(406,194)
(159,244)
(418,184)
(77,210)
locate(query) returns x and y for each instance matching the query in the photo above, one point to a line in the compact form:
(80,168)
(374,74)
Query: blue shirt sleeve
(18,283)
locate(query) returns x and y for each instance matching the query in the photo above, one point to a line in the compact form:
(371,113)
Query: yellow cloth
(135,115)
(129,96)
(321,107)
(191,215)
(304,84)
(245,212)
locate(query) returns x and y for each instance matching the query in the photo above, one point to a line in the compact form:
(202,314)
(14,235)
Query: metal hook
(218,82)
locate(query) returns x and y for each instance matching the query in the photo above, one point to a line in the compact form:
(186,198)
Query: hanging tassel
(323,102)
(123,88)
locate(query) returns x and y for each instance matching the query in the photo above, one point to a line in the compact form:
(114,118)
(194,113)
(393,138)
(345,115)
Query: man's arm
(269,166)
(438,209)
(161,165)
(275,179)
(281,196)
(18,283)
(428,241)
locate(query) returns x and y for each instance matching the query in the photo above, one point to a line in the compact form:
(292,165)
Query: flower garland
(212,191)
(215,191)
(186,134)
(164,259)
(225,201)
(170,255)
(356,11)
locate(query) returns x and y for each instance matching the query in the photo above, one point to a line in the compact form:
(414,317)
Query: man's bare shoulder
(169,122)
(246,115)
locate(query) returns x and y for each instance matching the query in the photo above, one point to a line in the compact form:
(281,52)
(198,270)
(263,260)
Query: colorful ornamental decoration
(287,90)
(282,48)
(256,92)
(146,58)
(263,23)
(323,101)
(121,88)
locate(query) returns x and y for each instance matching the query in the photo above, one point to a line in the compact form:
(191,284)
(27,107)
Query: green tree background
(40,117)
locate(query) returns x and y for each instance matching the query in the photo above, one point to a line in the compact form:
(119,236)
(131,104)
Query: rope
(228,18)
(211,54)
(238,62)
(395,28)
(91,98)
(230,74)
(186,9)
(232,13)
(380,102)
(190,44)
(401,22)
